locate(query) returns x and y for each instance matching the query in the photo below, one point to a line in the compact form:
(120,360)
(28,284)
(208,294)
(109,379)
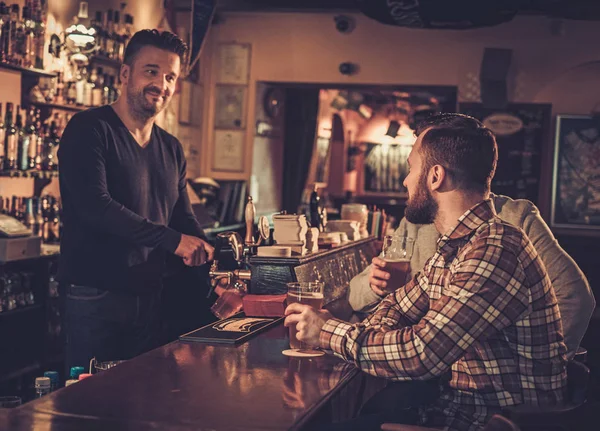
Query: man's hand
(308,321)
(387,277)
(194,251)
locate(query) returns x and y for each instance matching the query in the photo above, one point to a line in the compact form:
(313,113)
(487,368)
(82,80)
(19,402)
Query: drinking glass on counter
(397,252)
(309,293)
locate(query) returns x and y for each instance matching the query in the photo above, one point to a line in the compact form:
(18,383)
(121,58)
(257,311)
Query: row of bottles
(113,31)
(88,87)
(41,214)
(16,290)
(22,33)
(50,382)
(28,144)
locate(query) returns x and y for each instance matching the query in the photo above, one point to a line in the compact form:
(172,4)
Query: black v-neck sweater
(124,205)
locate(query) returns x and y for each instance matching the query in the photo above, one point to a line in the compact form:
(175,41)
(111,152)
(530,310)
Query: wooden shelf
(105,61)
(29,174)
(21,310)
(27,70)
(71,108)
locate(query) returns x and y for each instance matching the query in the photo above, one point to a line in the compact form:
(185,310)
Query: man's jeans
(109,325)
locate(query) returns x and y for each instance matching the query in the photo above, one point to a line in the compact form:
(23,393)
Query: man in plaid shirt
(482,315)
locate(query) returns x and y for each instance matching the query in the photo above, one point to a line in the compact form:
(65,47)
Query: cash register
(17,241)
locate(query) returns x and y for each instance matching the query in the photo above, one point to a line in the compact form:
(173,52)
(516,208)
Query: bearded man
(481,319)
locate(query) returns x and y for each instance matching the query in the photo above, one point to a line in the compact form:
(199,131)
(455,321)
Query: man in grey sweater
(575,299)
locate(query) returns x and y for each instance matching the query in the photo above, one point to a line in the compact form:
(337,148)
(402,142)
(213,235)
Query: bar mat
(232,330)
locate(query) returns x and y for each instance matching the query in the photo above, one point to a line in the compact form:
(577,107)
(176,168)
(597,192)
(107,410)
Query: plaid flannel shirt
(482,314)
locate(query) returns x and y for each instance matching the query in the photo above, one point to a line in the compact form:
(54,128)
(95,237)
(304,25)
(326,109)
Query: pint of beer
(310,293)
(397,251)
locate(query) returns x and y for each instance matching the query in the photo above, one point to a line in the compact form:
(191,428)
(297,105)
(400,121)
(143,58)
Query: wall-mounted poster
(229,150)
(230,107)
(522,131)
(233,63)
(576,175)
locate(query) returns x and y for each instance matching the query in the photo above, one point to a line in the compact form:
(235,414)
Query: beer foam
(400,260)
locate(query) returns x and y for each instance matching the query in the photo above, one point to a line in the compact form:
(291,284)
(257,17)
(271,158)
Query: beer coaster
(303,353)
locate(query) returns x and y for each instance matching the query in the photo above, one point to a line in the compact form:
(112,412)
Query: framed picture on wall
(576,174)
(230,107)
(233,63)
(228,150)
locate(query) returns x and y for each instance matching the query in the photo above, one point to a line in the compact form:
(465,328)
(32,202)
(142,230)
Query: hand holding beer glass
(392,269)
(309,293)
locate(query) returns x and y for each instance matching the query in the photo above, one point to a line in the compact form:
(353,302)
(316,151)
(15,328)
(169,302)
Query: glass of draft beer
(310,293)
(397,252)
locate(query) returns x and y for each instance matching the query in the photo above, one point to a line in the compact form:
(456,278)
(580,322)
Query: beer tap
(242,251)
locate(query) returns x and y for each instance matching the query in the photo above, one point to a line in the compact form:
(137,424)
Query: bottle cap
(52,375)
(70,382)
(76,371)
(83,376)
(42,383)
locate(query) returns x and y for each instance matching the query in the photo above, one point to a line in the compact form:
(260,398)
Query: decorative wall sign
(228,150)
(522,132)
(230,107)
(233,64)
(576,175)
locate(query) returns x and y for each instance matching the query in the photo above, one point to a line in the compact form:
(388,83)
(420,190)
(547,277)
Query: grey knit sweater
(575,299)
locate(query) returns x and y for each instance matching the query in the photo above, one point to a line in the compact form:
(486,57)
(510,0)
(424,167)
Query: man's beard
(421,208)
(136,98)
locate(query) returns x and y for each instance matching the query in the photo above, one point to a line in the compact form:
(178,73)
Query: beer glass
(310,293)
(397,252)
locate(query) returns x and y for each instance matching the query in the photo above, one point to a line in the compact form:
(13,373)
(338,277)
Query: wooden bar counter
(197,386)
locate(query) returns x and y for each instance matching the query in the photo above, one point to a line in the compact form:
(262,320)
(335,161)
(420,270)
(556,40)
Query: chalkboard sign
(521,131)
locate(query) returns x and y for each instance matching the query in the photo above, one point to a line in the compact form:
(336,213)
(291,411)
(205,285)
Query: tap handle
(250,214)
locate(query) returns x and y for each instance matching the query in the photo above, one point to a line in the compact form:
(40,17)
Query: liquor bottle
(97,25)
(55,221)
(29,216)
(53,376)
(71,93)
(41,147)
(50,147)
(39,218)
(59,91)
(46,231)
(116,36)
(15,208)
(32,132)
(38,15)
(2,136)
(3,20)
(106,96)
(108,45)
(11,35)
(29,48)
(315,217)
(10,146)
(89,88)
(43,386)
(98,89)
(23,142)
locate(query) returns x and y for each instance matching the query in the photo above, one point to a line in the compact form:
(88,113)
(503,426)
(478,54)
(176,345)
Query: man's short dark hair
(463,146)
(163,40)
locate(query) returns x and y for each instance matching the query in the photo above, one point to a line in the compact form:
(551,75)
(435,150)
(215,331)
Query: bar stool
(560,417)
(496,423)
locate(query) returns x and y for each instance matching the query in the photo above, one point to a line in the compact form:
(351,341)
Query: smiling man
(481,318)
(125,204)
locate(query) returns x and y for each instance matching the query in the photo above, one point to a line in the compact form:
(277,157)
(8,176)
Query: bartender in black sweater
(125,204)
